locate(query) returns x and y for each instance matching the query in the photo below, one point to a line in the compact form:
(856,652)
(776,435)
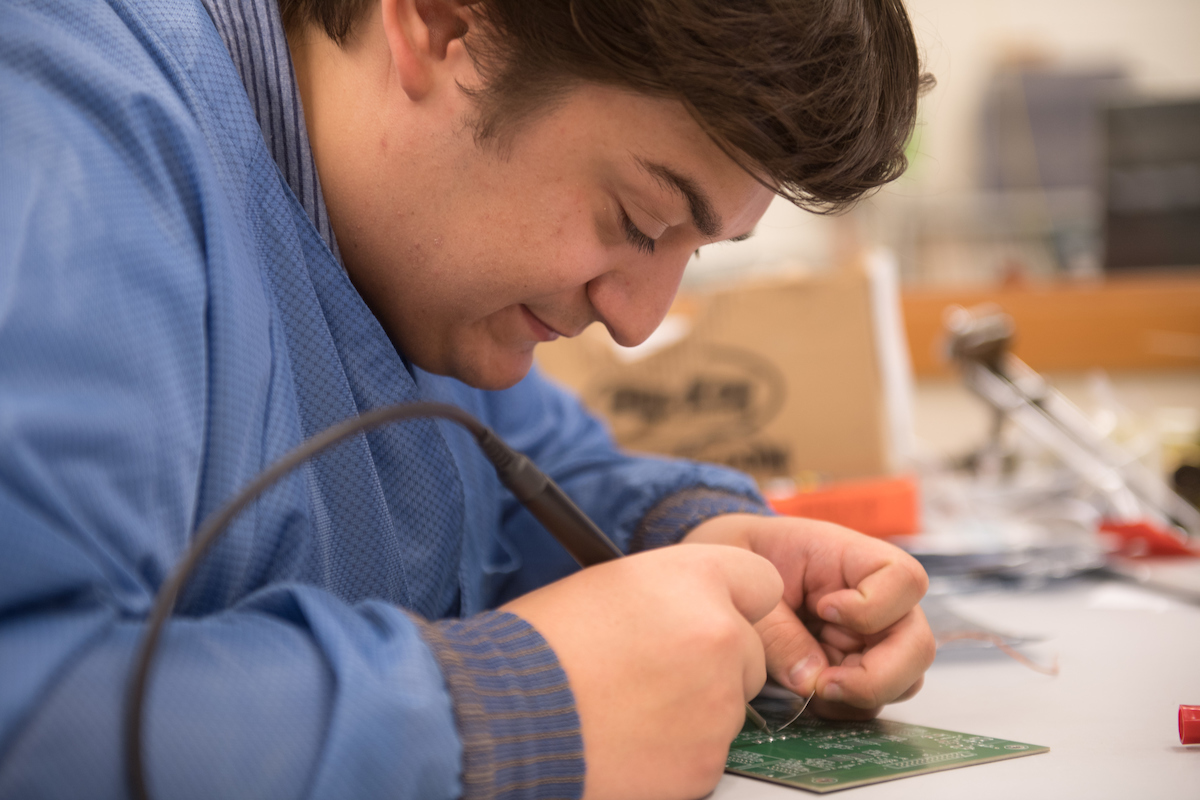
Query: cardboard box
(779,379)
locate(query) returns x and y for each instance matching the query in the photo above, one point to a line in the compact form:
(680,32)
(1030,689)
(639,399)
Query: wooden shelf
(1118,323)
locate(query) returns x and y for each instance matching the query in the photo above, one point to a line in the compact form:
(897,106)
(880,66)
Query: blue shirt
(172,320)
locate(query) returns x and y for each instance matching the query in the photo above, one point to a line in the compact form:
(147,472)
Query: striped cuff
(675,515)
(513,707)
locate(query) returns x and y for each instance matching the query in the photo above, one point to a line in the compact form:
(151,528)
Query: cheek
(514,240)
(560,248)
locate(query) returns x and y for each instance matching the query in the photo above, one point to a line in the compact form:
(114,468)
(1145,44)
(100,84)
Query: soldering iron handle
(586,543)
(548,503)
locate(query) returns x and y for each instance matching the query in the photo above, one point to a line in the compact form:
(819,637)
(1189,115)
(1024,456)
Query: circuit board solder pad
(823,756)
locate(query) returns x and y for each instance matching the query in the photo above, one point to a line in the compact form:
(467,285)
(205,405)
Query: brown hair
(817,98)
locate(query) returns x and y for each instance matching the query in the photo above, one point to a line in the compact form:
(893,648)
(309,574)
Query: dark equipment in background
(1039,127)
(1107,177)
(1041,156)
(1152,192)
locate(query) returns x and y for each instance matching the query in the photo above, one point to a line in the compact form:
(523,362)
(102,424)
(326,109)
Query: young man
(223,229)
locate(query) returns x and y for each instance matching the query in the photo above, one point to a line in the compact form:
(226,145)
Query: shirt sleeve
(639,501)
(675,515)
(513,706)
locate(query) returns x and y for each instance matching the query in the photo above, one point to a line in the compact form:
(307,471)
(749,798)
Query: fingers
(753,582)
(911,692)
(754,589)
(754,667)
(879,599)
(793,657)
(856,634)
(827,709)
(660,655)
(797,659)
(887,670)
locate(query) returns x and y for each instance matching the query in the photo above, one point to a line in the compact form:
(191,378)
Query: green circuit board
(823,756)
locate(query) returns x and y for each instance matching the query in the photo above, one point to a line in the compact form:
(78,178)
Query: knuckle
(912,691)
(707,757)
(773,577)
(721,632)
(693,778)
(757,676)
(919,576)
(928,648)
(703,776)
(863,619)
(713,767)
(873,697)
(776,632)
(863,697)
(875,620)
(703,566)
(913,572)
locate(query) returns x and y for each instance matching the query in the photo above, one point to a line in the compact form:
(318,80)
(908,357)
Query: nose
(632,299)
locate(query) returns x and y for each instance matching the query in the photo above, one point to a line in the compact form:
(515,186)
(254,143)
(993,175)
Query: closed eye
(634,236)
(730,240)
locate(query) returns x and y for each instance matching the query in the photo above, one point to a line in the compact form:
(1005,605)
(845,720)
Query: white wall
(785,238)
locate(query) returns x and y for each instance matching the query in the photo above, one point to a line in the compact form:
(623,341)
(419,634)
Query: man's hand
(661,653)
(848,625)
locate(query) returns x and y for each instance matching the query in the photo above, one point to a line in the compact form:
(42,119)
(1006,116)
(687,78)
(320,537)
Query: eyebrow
(703,216)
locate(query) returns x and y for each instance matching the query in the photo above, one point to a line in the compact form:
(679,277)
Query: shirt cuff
(674,516)
(513,707)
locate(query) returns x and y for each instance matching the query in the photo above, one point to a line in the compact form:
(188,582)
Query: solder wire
(1001,645)
(798,713)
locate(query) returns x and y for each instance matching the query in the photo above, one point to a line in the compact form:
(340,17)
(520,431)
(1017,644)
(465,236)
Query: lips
(541,331)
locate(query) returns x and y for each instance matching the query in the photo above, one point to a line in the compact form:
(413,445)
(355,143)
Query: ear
(419,32)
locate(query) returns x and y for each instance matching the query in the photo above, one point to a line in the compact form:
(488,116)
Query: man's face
(470,255)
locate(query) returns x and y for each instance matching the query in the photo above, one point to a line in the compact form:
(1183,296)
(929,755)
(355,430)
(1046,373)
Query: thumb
(752,581)
(794,657)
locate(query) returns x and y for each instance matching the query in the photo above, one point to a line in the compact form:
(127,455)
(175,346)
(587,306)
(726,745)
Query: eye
(635,237)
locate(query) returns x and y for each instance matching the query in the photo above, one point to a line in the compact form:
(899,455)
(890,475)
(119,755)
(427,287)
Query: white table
(1128,657)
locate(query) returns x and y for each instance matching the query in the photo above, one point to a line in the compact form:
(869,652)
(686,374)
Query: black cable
(544,499)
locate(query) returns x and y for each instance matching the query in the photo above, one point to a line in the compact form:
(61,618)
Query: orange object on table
(880,507)
(1146,539)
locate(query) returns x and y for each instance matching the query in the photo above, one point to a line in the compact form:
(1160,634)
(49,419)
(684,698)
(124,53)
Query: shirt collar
(253,34)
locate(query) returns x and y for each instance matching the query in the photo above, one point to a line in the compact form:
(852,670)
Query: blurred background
(1049,119)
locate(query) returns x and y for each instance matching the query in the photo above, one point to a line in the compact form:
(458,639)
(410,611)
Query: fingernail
(832,692)
(830,614)
(803,673)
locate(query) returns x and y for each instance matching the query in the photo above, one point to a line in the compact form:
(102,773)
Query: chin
(499,371)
